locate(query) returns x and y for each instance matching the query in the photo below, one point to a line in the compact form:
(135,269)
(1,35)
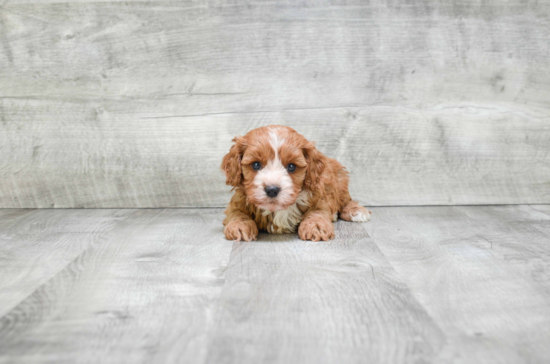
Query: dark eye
(291,167)
(256,166)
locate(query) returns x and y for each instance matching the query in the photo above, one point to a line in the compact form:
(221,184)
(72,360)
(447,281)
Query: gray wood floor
(416,284)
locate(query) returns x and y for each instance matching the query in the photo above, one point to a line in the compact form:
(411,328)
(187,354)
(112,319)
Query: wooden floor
(416,284)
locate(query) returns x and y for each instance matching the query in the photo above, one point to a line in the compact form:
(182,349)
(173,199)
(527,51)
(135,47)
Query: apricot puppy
(283,183)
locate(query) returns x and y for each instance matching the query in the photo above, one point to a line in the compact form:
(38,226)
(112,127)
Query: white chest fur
(287,221)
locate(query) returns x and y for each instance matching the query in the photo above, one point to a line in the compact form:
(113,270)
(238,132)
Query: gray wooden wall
(133,104)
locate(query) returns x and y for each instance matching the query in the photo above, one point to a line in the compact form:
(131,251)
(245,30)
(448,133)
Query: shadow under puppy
(283,183)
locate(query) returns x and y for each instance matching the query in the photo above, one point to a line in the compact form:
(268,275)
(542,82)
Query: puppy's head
(272,164)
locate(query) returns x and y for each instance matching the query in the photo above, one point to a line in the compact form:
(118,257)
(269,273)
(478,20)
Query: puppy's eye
(291,167)
(256,166)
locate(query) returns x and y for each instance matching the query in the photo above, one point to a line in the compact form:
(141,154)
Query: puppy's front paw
(241,230)
(316,228)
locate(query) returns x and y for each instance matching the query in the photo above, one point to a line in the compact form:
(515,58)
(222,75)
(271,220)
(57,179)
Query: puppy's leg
(350,210)
(354,212)
(317,225)
(240,228)
(238,224)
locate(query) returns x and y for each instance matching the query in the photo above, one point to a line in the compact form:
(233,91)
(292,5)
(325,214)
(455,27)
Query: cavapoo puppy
(283,183)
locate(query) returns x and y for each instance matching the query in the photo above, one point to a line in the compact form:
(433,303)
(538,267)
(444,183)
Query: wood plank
(133,104)
(36,244)
(142,294)
(431,156)
(480,272)
(425,284)
(289,301)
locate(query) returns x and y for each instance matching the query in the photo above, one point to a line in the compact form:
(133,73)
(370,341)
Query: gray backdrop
(133,104)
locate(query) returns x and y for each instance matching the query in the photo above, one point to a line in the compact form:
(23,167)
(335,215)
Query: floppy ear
(231,164)
(316,165)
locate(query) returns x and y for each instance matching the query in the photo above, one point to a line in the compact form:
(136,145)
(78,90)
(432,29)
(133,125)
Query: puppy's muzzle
(272,191)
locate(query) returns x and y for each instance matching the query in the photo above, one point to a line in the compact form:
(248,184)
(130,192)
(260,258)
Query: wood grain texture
(482,273)
(133,104)
(287,301)
(425,284)
(36,245)
(144,294)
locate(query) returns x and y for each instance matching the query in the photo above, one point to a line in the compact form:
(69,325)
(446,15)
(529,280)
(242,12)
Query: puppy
(283,183)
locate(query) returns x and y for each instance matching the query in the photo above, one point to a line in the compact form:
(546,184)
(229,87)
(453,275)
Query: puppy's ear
(231,164)
(316,165)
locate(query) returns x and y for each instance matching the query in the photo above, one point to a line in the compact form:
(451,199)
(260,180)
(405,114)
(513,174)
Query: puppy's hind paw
(355,213)
(361,216)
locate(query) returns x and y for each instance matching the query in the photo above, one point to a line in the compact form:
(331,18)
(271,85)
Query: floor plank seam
(223,207)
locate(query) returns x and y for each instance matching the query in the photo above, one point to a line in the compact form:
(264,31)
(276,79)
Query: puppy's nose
(272,191)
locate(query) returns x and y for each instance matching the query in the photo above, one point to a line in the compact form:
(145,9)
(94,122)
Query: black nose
(272,191)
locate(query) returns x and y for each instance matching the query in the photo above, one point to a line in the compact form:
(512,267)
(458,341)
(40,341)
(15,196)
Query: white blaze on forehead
(276,142)
(274,174)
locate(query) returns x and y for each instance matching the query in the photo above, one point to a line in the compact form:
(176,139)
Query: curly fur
(310,197)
